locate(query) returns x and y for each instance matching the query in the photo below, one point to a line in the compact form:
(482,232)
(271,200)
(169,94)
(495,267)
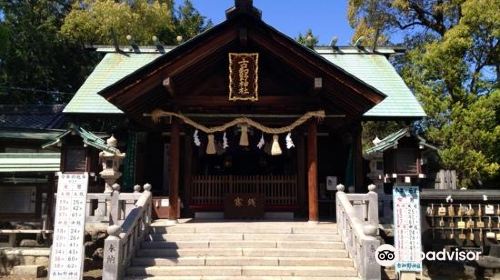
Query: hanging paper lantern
(289,141)
(244,136)
(196,138)
(225,145)
(275,149)
(261,142)
(211,145)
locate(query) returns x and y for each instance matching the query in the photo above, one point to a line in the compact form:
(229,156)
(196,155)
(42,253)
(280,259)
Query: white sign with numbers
(66,257)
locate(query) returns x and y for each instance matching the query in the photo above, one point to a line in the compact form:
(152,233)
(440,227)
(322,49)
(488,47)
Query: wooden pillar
(312,170)
(174,169)
(301,174)
(188,171)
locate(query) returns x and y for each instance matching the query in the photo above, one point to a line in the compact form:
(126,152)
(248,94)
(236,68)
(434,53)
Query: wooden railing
(211,189)
(123,240)
(357,223)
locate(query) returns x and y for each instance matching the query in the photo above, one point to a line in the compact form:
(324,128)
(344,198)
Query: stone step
(238,278)
(249,252)
(310,244)
(173,237)
(311,271)
(292,237)
(243,229)
(243,244)
(306,253)
(242,261)
(196,237)
(174,245)
(159,253)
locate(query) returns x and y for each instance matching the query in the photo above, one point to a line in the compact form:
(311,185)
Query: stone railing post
(113,255)
(339,210)
(147,189)
(359,235)
(137,188)
(372,205)
(115,205)
(369,244)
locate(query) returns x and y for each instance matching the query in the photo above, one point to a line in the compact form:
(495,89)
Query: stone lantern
(111,159)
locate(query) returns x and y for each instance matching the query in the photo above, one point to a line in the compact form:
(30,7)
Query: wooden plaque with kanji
(244,76)
(244,206)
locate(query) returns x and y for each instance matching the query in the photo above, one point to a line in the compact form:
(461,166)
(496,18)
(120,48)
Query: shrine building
(241,112)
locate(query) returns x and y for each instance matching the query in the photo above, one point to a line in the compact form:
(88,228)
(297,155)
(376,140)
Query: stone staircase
(242,250)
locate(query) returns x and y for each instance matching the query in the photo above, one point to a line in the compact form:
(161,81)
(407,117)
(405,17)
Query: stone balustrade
(125,237)
(99,205)
(357,222)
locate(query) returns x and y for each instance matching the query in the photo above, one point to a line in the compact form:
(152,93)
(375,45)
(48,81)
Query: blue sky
(327,18)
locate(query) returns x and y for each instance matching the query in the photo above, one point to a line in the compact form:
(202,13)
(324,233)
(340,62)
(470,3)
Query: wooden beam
(221,101)
(170,68)
(243,35)
(312,170)
(174,170)
(167,83)
(362,97)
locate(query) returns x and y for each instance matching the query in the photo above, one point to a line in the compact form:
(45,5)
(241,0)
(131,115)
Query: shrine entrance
(234,84)
(248,169)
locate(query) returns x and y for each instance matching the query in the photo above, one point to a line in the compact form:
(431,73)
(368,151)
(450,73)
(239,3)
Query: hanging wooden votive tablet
(244,136)
(275,149)
(211,145)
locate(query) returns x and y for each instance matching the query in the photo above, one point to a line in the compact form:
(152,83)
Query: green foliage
(4,33)
(472,140)
(42,43)
(309,39)
(452,65)
(94,21)
(34,56)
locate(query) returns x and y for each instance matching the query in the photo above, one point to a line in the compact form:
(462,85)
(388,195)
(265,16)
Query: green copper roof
(112,68)
(392,139)
(88,138)
(373,69)
(389,141)
(377,71)
(29,162)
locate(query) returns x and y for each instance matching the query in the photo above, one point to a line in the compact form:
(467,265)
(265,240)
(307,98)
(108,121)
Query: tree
(43,58)
(35,57)
(95,21)
(309,39)
(4,33)
(453,67)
